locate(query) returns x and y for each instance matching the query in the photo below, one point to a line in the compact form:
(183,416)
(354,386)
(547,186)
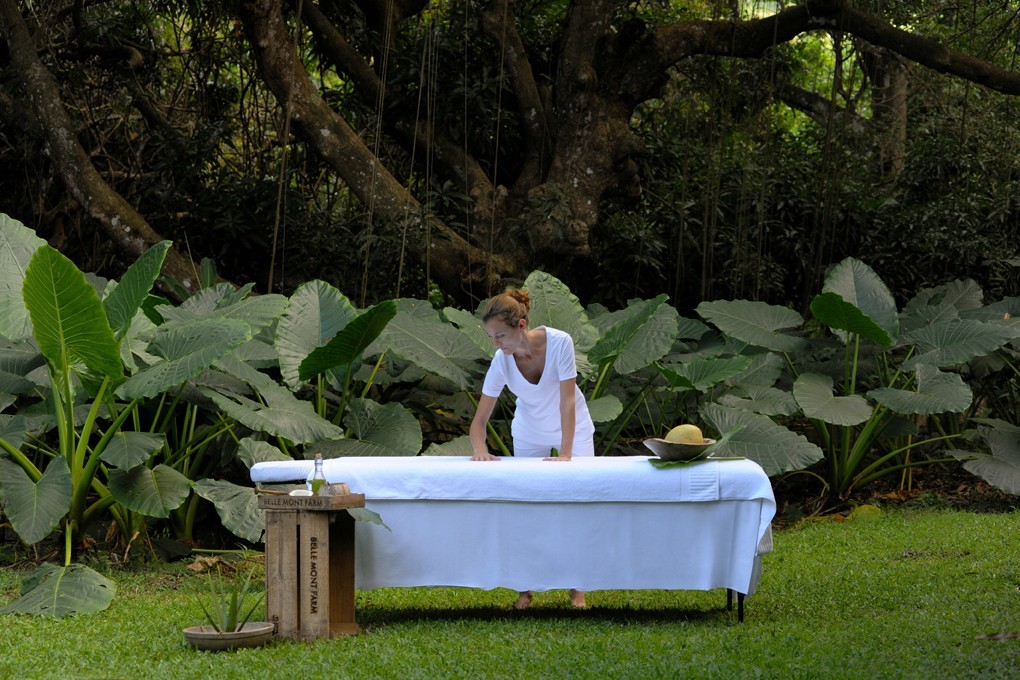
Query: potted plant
(228,625)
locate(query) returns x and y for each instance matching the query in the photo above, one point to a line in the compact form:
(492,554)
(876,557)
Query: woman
(537,365)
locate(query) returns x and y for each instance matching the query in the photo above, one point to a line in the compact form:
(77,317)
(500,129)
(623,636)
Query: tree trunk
(452,261)
(117,218)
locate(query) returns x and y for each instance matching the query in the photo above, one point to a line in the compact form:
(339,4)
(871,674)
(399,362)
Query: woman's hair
(509,307)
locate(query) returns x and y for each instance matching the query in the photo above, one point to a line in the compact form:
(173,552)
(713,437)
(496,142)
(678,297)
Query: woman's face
(506,338)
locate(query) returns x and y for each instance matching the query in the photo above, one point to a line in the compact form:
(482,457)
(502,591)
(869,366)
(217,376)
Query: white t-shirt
(537,415)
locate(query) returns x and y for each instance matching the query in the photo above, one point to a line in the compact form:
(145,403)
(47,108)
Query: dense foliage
(120,408)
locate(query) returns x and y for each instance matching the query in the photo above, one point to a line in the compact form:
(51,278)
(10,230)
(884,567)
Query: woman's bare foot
(523,600)
(577,599)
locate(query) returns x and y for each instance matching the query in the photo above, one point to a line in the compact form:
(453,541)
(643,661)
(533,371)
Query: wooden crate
(310,565)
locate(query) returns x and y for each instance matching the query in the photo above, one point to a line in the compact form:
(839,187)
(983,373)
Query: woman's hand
(562,459)
(485,455)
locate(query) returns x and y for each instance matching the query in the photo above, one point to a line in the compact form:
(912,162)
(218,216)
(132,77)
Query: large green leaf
(772,446)
(279,413)
(704,374)
(605,409)
(128,449)
(35,508)
(17,360)
(770,401)
(315,314)
(552,304)
(58,591)
(18,244)
(813,392)
(838,314)
(127,297)
(389,425)
(432,345)
(186,349)
(67,316)
(237,507)
(252,451)
(152,492)
(471,326)
(12,431)
(756,323)
(637,336)
(934,392)
(350,342)
(859,285)
(459,446)
(1001,469)
(765,369)
(338,448)
(955,342)
(960,295)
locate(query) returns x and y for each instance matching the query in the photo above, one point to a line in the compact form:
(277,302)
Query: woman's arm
(568,419)
(486,405)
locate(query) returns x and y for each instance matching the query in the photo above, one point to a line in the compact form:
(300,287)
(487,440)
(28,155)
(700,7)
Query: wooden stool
(310,565)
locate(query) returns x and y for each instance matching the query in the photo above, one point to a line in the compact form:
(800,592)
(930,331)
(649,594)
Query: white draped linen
(592,523)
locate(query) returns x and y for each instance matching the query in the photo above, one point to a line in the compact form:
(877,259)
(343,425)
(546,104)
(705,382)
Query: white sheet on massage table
(527,524)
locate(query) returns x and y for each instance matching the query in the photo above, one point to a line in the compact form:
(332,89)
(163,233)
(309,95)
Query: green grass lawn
(906,595)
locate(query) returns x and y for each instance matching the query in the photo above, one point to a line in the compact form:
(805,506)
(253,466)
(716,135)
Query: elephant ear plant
(865,387)
(79,461)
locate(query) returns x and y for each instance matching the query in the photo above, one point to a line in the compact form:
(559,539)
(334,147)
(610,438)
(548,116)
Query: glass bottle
(317,478)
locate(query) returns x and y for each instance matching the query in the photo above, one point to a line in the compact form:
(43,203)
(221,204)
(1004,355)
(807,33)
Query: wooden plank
(311,503)
(341,576)
(313,575)
(281,571)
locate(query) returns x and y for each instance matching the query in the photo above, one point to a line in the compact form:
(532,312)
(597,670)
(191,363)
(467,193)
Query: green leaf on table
(59,591)
(756,323)
(813,392)
(237,507)
(35,508)
(152,492)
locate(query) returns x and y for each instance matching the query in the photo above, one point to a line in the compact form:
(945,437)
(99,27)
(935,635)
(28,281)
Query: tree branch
(444,150)
(117,218)
(452,259)
(498,22)
(751,39)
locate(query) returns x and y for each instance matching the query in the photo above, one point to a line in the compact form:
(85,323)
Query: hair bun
(521,296)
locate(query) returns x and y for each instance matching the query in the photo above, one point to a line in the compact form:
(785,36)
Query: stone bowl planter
(251,634)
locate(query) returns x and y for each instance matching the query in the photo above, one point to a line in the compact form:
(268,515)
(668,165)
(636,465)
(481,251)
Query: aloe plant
(229,608)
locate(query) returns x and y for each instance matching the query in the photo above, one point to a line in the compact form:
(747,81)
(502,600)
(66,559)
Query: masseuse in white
(538,366)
